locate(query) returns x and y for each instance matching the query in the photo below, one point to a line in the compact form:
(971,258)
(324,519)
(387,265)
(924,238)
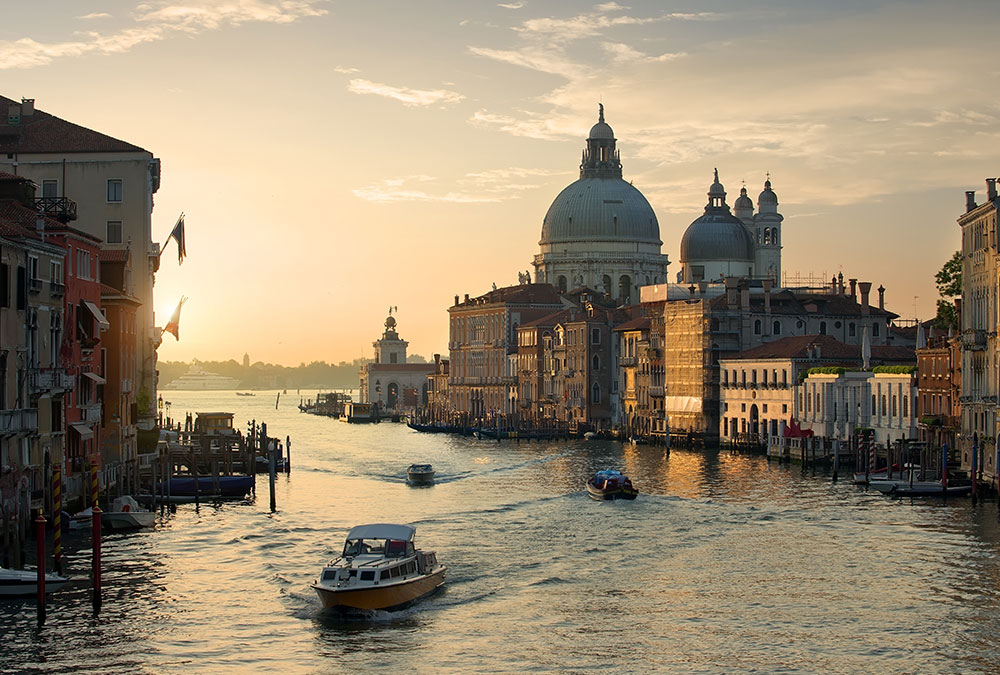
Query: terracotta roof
(4,176)
(17,220)
(41,132)
(541,294)
(797,347)
(639,323)
(115,255)
(547,320)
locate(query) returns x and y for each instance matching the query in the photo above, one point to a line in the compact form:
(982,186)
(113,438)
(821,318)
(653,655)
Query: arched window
(774,236)
(756,327)
(906,401)
(822,327)
(597,362)
(776,328)
(561,283)
(893,405)
(606,283)
(875,329)
(595,393)
(767,236)
(874,405)
(852,330)
(624,289)
(882,409)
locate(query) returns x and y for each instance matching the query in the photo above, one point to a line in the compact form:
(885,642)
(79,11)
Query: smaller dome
(390,323)
(602,130)
(743,201)
(767,196)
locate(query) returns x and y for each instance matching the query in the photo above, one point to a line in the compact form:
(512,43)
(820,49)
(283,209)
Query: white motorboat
(420,474)
(126,514)
(379,569)
(918,488)
(24,583)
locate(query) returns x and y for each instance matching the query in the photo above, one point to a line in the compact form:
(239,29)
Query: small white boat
(126,514)
(918,488)
(24,583)
(379,569)
(420,474)
(82,519)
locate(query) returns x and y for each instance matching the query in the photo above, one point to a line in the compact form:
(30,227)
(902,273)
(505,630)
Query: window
(596,362)
(83,264)
(756,327)
(55,271)
(852,330)
(595,336)
(822,327)
(114,189)
(906,400)
(33,267)
(4,288)
(776,328)
(114,232)
(50,189)
(875,329)
(595,394)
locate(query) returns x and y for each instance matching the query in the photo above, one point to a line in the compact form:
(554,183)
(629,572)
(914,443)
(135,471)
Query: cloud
(156,21)
(542,59)
(622,53)
(344,70)
(95,15)
(511,5)
(530,125)
(397,190)
(405,95)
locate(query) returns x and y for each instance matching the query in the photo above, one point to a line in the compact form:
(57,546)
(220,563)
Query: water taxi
(379,569)
(610,484)
(420,474)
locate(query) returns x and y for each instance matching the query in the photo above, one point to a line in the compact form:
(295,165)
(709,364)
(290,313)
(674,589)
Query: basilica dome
(600,209)
(600,206)
(718,234)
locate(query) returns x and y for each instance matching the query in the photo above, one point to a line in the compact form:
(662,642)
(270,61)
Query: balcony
(90,412)
(60,208)
(35,285)
(974,340)
(656,392)
(55,288)
(21,421)
(626,361)
(49,380)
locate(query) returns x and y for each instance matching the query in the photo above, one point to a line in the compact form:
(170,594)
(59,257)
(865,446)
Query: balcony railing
(626,360)
(55,288)
(53,380)
(35,285)
(656,392)
(24,420)
(974,340)
(91,412)
(60,208)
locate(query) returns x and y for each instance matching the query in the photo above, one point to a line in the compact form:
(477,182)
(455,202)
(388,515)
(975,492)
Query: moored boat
(126,514)
(228,486)
(24,583)
(919,488)
(610,484)
(420,474)
(379,568)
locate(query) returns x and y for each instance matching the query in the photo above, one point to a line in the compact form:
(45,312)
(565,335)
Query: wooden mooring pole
(40,542)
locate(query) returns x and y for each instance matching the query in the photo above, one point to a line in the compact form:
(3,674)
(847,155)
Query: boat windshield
(363,546)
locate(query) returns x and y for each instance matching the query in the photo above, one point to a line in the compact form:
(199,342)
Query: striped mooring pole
(57,519)
(93,485)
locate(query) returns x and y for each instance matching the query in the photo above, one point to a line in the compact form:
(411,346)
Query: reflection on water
(724,563)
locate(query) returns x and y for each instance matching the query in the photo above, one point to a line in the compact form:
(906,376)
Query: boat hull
(128,520)
(918,488)
(611,493)
(389,597)
(24,583)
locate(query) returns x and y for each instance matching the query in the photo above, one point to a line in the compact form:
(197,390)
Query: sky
(334,159)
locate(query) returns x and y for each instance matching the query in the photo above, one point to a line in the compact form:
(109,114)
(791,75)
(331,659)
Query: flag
(173,326)
(177,234)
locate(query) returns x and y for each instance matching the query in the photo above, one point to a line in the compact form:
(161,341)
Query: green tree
(949,285)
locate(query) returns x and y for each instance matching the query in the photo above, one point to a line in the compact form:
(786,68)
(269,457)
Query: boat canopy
(382,531)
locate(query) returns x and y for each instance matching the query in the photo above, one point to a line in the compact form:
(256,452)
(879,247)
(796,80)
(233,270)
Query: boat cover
(382,531)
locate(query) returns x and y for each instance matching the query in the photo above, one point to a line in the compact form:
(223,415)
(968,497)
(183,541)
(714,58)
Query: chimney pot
(865,288)
(991,189)
(881,297)
(970,200)
(854,288)
(27,107)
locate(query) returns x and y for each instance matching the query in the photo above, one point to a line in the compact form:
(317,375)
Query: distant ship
(200,379)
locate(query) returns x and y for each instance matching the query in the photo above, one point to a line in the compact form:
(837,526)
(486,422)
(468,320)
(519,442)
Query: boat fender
(126,507)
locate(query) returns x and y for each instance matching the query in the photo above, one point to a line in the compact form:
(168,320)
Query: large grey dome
(600,209)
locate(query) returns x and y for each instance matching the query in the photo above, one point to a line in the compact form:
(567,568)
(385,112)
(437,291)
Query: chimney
(970,200)
(14,114)
(745,294)
(767,283)
(466,297)
(437,360)
(854,287)
(991,189)
(840,283)
(881,297)
(691,291)
(27,107)
(866,289)
(731,291)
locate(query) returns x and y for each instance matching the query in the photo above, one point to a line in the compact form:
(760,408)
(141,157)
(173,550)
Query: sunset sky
(336,158)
